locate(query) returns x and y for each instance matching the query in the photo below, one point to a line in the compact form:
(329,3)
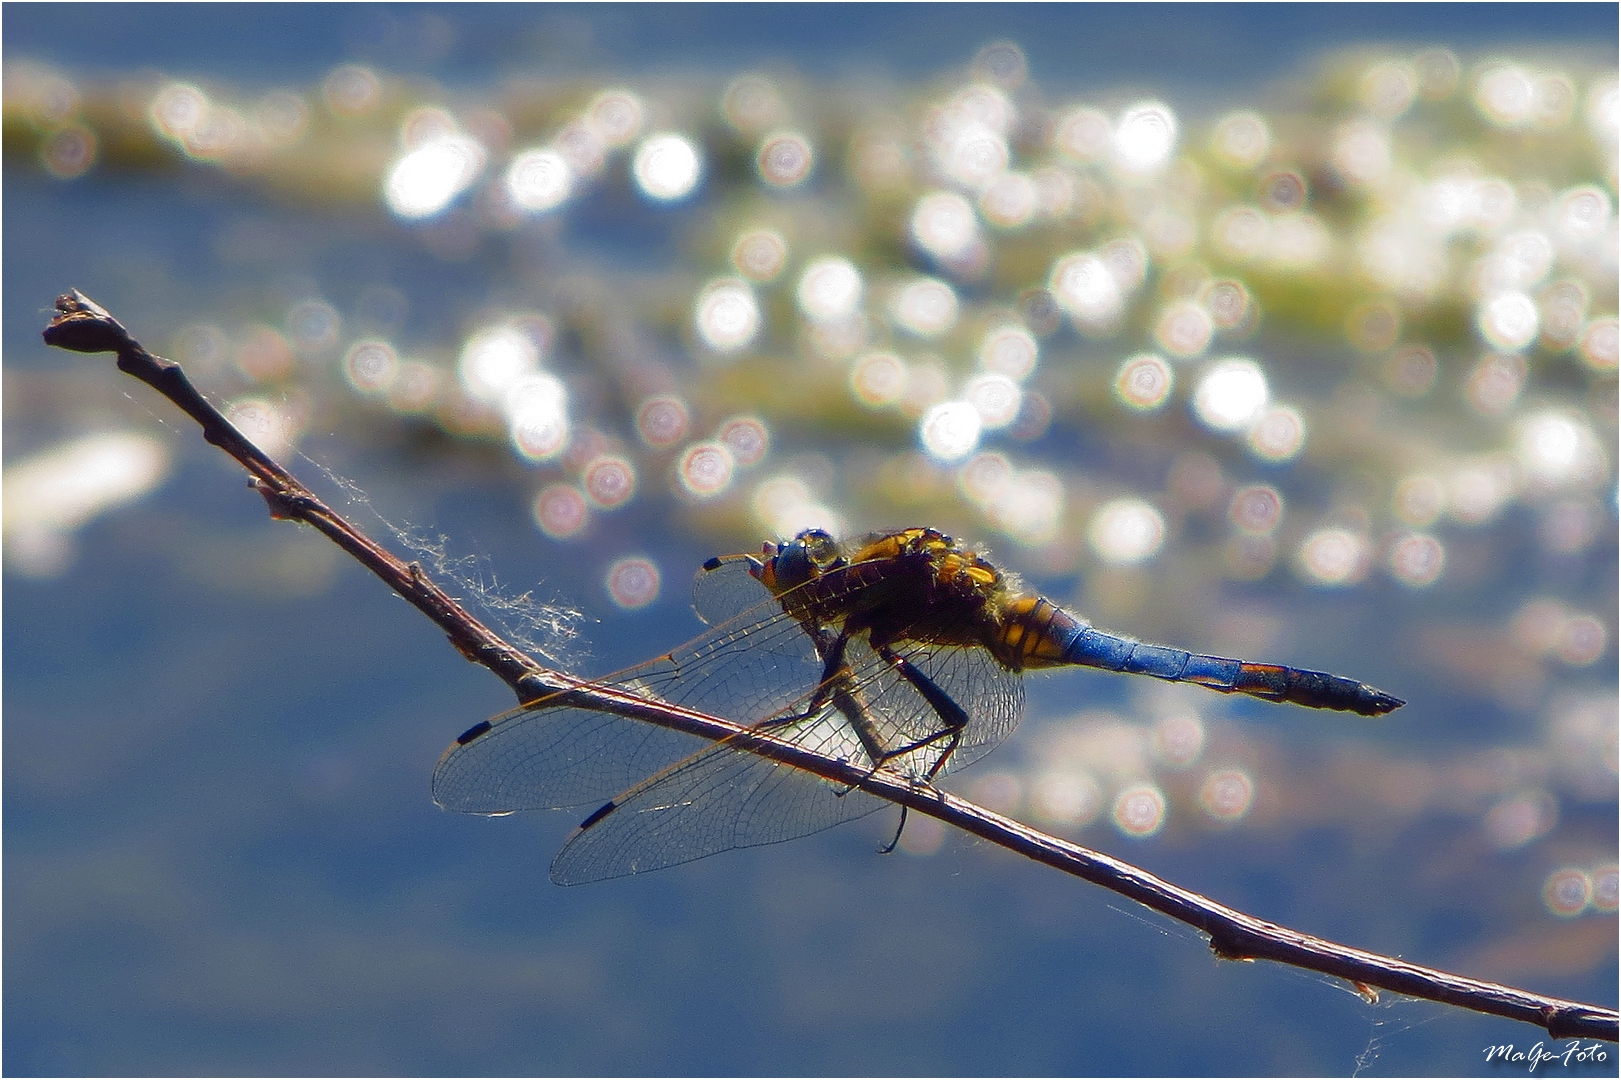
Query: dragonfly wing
(725,588)
(991,694)
(553,753)
(547,758)
(723,798)
(895,703)
(716,800)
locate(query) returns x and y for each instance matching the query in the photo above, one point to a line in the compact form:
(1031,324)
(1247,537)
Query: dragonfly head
(794,562)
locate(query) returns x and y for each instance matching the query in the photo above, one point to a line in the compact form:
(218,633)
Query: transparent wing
(716,800)
(723,798)
(551,754)
(725,588)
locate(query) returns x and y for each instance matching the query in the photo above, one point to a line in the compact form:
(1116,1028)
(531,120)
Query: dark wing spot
(602,811)
(472,733)
(713,564)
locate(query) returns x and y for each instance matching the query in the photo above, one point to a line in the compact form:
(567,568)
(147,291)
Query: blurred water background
(1278,332)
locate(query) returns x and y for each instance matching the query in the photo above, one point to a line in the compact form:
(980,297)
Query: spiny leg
(951,714)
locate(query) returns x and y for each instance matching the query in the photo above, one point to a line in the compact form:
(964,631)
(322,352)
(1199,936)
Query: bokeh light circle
(1230,395)
(785,159)
(371,366)
(1227,795)
(726,315)
(662,421)
(560,510)
(829,289)
(760,255)
(1332,557)
(1009,350)
(950,430)
(706,469)
(746,437)
(632,582)
(878,379)
(1126,531)
(926,308)
(1145,136)
(1143,382)
(539,180)
(609,481)
(666,167)
(1139,811)
(995,398)
(1417,560)
(1278,434)
(944,225)
(1256,510)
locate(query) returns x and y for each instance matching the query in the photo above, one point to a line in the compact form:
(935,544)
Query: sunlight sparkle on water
(609,481)
(666,167)
(760,255)
(926,307)
(1145,137)
(539,180)
(785,159)
(1177,741)
(1126,531)
(371,366)
(1139,811)
(662,421)
(1419,499)
(1069,799)
(536,408)
(1278,434)
(560,511)
(352,90)
(1333,557)
(1144,382)
(495,358)
(829,289)
(706,469)
(1241,140)
(1231,394)
(878,379)
(1084,135)
(944,225)
(1417,559)
(1086,287)
(1227,795)
(632,582)
(428,179)
(1599,347)
(1009,350)
(1567,892)
(1184,329)
(726,315)
(747,437)
(950,430)
(1521,818)
(1256,510)
(995,397)
(1010,201)
(53,493)
(617,116)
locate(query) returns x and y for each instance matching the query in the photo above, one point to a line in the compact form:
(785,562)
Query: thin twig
(83,326)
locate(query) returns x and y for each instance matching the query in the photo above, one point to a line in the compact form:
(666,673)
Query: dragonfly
(901,651)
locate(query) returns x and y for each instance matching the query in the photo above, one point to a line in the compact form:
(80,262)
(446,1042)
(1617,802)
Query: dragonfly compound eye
(821,549)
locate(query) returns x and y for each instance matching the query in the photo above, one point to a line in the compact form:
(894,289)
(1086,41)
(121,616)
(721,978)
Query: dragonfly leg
(894,841)
(951,714)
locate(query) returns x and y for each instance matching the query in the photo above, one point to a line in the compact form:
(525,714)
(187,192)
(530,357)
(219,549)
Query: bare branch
(83,326)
